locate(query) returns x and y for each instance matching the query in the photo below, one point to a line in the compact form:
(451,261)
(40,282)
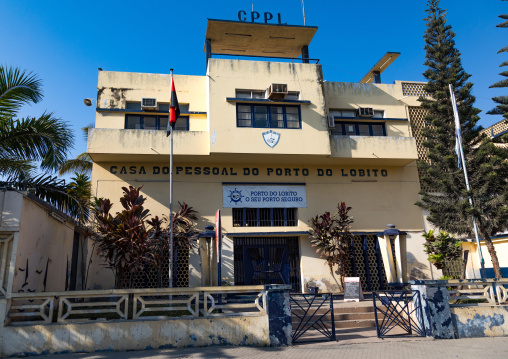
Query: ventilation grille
(148,103)
(413,89)
(377,280)
(417,120)
(153,277)
(496,129)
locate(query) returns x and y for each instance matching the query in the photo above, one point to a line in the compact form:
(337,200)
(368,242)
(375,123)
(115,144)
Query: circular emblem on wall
(235,196)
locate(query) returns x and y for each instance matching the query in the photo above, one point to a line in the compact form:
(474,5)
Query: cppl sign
(254,15)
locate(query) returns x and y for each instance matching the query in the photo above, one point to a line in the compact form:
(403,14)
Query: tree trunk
(493,255)
(333,276)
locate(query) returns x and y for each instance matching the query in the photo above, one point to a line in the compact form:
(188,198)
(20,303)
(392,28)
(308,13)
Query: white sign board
(240,196)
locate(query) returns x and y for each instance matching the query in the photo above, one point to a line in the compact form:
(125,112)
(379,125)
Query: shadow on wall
(416,270)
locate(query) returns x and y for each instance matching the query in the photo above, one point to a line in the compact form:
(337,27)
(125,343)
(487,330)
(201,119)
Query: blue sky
(64,42)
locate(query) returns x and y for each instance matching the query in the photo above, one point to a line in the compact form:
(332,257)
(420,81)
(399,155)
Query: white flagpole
(483,273)
(303,10)
(170,271)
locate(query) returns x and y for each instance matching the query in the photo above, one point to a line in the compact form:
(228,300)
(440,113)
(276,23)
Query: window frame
(242,222)
(357,129)
(268,115)
(157,122)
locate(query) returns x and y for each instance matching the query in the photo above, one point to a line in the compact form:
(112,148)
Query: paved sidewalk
(488,348)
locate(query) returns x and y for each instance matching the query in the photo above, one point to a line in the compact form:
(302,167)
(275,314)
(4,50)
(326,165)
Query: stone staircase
(350,318)
(354,315)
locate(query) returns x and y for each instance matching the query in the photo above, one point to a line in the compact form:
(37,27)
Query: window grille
(264,217)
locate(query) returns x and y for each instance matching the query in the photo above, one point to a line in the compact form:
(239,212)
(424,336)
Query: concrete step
(340,324)
(355,316)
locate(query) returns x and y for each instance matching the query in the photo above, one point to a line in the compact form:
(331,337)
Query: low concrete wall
(131,335)
(480,321)
(455,321)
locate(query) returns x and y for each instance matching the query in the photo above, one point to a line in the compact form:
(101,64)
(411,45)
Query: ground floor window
(264,217)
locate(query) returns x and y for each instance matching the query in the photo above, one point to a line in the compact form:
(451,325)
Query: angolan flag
(174,108)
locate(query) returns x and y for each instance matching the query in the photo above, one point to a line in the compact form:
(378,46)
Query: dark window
(264,217)
(359,129)
(133,105)
(268,116)
(137,122)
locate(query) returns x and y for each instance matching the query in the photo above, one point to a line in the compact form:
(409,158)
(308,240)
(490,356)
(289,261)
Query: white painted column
(385,247)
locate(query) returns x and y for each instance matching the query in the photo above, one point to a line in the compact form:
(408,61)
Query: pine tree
(448,202)
(502,101)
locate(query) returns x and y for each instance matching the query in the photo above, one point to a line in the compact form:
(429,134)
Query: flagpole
(483,273)
(170,269)
(303,10)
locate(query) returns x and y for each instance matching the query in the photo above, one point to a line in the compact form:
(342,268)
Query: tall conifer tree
(448,202)
(502,101)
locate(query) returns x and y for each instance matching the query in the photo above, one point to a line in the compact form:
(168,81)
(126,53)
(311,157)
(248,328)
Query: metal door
(266,264)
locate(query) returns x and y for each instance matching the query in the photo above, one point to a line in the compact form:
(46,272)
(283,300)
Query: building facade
(271,144)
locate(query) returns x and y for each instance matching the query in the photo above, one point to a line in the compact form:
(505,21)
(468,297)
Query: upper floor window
(154,122)
(261,94)
(268,116)
(350,114)
(162,107)
(359,129)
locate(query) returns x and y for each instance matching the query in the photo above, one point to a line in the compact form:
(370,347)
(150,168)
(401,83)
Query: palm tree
(26,141)
(82,163)
(80,189)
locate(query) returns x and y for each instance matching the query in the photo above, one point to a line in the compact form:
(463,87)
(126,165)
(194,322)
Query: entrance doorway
(267,260)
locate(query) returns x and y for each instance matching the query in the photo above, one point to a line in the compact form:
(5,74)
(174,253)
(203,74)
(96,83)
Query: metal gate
(267,260)
(398,313)
(266,265)
(312,317)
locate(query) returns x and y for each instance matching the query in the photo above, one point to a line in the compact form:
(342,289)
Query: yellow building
(271,144)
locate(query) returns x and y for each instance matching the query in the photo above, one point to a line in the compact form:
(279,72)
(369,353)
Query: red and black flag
(174,108)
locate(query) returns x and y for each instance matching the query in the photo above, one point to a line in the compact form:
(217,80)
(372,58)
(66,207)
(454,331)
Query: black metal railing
(398,313)
(311,312)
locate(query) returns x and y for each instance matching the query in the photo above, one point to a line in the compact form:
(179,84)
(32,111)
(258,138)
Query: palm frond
(17,87)
(46,138)
(81,164)
(13,168)
(48,188)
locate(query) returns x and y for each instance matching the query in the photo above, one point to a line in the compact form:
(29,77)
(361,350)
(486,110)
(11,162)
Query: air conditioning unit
(331,121)
(365,112)
(149,104)
(277,91)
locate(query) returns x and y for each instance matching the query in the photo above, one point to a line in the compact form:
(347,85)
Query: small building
(271,144)
(41,248)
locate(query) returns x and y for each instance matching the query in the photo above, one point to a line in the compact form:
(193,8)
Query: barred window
(264,217)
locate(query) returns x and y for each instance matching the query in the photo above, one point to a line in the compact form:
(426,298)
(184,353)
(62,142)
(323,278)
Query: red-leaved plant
(129,242)
(332,237)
